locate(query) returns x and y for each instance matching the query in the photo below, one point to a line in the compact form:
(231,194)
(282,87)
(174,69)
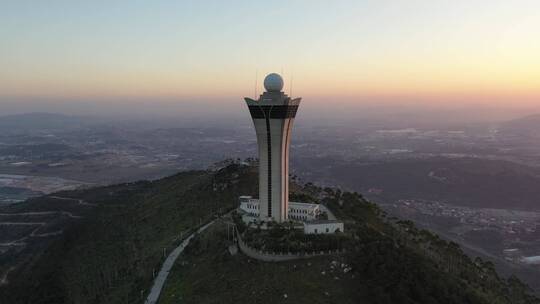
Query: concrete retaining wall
(278,256)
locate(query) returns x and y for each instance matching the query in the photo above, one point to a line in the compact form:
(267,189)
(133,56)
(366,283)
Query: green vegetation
(110,255)
(207,273)
(386,261)
(405,264)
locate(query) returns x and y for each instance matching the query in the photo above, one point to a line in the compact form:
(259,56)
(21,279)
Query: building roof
(318,222)
(305,205)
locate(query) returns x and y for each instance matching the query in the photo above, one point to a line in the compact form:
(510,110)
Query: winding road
(160,279)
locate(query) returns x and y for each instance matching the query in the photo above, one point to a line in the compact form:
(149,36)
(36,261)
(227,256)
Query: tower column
(273,116)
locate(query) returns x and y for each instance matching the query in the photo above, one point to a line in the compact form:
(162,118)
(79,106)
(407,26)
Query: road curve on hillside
(160,279)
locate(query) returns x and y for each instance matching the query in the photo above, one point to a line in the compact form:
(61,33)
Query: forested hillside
(109,251)
(386,261)
(109,255)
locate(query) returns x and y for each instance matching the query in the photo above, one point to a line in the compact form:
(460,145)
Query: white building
(303,211)
(273,115)
(300,212)
(249,205)
(323,227)
(307,214)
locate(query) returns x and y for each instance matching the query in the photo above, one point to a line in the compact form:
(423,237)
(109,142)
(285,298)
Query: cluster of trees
(112,254)
(401,263)
(393,260)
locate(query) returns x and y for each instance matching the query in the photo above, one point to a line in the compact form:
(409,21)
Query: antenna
(255,88)
(290,86)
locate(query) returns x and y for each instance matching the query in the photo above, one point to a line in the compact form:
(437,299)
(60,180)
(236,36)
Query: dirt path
(21,241)
(79,201)
(3,279)
(35,232)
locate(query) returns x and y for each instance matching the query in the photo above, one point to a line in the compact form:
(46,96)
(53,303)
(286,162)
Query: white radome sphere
(273,82)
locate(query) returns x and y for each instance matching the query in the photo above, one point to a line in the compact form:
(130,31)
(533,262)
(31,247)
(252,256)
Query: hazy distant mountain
(525,126)
(469,182)
(41,121)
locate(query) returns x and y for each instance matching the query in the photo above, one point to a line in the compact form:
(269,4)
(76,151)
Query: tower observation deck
(273,116)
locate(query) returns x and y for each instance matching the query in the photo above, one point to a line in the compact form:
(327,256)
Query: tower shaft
(273,117)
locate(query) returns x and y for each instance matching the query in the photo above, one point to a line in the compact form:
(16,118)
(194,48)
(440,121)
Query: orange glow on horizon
(466,52)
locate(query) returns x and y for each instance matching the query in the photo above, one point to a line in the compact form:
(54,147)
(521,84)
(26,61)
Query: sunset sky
(387,51)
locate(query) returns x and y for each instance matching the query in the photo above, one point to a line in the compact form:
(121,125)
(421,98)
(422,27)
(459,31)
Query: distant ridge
(41,120)
(525,126)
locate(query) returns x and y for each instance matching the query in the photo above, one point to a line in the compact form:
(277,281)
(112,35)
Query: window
(327,230)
